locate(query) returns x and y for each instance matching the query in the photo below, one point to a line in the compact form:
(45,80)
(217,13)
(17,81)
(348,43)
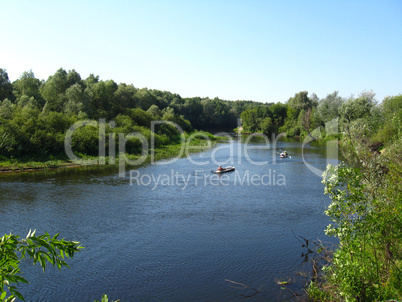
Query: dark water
(178,240)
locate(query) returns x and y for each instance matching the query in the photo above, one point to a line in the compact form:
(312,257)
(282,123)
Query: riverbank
(193,143)
(366,218)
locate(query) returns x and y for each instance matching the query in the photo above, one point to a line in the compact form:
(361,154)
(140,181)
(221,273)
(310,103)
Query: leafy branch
(42,249)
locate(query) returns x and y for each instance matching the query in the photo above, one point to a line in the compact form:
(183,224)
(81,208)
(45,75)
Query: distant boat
(284,155)
(224,170)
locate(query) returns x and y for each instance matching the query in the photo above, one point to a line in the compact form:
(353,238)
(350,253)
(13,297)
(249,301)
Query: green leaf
(49,259)
(3,295)
(20,279)
(42,261)
(19,296)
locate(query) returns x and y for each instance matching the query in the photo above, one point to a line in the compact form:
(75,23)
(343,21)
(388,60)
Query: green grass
(24,164)
(195,142)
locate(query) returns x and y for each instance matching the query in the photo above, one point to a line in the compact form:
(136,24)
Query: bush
(86,140)
(366,212)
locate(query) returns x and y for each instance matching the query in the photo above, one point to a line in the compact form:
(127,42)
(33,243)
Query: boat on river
(284,154)
(224,170)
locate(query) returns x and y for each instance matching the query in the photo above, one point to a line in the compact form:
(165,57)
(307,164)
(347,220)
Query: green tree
(390,128)
(7,109)
(91,79)
(21,127)
(250,120)
(101,97)
(49,132)
(85,140)
(390,106)
(140,117)
(193,111)
(299,113)
(77,100)
(300,101)
(267,126)
(53,90)
(314,99)
(28,86)
(145,99)
(73,78)
(124,98)
(328,108)
(6,88)
(155,111)
(357,108)
(217,114)
(170,115)
(304,119)
(279,113)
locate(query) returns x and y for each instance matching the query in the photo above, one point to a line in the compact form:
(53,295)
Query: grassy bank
(192,143)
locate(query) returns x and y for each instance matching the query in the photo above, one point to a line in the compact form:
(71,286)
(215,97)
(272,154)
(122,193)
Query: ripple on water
(178,242)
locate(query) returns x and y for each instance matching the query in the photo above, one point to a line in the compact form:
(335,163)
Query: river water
(177,237)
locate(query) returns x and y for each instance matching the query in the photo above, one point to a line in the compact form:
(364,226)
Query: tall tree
(6,88)
(124,98)
(146,99)
(301,101)
(26,87)
(73,78)
(102,96)
(77,100)
(155,111)
(53,90)
(279,113)
(328,108)
(357,108)
(192,110)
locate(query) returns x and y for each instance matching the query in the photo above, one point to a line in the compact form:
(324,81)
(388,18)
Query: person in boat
(219,168)
(285,153)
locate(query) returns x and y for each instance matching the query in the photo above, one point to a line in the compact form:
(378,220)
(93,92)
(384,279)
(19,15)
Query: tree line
(35,114)
(302,114)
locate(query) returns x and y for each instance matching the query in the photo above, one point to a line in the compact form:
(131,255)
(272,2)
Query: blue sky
(236,50)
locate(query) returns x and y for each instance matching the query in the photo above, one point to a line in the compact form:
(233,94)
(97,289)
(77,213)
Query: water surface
(177,240)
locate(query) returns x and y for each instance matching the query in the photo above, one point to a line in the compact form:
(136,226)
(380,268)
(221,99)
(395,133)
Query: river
(177,237)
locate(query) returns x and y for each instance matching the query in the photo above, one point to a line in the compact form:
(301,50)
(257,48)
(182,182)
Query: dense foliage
(302,114)
(366,206)
(35,114)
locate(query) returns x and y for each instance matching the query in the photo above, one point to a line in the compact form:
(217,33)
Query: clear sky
(235,50)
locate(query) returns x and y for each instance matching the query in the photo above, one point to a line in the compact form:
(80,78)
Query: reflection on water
(178,240)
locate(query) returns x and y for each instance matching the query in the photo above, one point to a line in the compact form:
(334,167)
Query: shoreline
(165,152)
